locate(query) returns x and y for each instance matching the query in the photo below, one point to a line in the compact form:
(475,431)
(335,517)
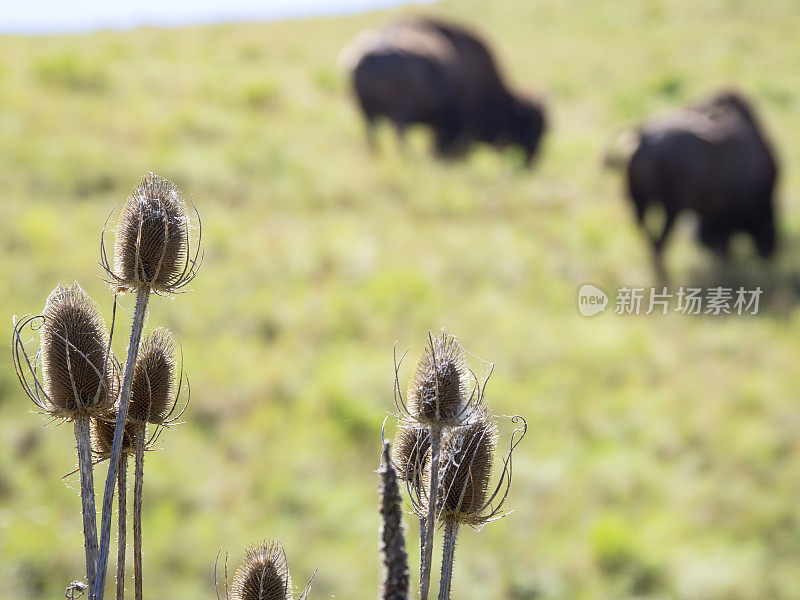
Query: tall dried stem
(435,432)
(122,496)
(448,557)
(137,512)
(142,296)
(87,497)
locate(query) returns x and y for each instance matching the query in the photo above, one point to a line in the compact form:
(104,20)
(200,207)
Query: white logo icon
(591,300)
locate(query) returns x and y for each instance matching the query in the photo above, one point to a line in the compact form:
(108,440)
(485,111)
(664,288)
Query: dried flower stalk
(152,254)
(393,544)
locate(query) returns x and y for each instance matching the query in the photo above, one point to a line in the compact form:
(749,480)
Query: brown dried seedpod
(152,240)
(78,372)
(438,392)
(411,453)
(102,429)
(466,468)
(263,575)
(153,395)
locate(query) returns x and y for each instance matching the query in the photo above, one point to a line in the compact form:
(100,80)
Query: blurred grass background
(663,457)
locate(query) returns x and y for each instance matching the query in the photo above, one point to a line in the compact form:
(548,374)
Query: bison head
(526,125)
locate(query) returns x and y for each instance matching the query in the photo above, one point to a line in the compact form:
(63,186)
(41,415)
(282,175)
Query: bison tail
(618,152)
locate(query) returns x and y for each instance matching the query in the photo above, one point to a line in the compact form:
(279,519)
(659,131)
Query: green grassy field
(663,455)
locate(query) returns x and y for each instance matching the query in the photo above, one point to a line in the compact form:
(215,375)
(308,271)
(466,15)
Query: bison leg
(370,127)
(715,234)
(402,141)
(762,229)
(659,241)
(448,130)
(445,143)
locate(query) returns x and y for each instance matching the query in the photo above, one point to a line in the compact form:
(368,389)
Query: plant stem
(422,532)
(448,557)
(87,498)
(122,492)
(393,541)
(435,432)
(142,295)
(137,512)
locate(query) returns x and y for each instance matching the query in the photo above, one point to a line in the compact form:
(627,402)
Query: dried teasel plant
(411,456)
(393,543)
(263,575)
(102,441)
(72,377)
(102,433)
(153,254)
(442,392)
(155,392)
(75,377)
(445,448)
(465,493)
(153,240)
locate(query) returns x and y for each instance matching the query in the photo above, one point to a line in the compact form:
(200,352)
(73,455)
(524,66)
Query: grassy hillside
(663,457)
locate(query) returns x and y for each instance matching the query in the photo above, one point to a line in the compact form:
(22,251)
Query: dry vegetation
(663,453)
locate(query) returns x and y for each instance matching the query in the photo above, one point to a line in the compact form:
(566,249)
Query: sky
(76,16)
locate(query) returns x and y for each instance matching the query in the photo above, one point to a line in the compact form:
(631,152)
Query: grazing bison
(714,160)
(442,75)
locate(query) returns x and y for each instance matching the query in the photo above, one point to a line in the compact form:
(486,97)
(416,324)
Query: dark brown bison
(714,160)
(442,75)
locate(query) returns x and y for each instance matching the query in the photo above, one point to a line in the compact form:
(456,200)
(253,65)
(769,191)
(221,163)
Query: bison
(714,160)
(442,75)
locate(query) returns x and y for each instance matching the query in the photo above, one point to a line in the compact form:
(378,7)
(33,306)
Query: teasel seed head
(438,393)
(152,240)
(466,468)
(264,574)
(102,432)
(79,375)
(153,393)
(411,453)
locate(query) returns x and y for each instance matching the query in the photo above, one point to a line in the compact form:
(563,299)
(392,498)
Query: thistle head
(78,372)
(411,453)
(438,393)
(152,243)
(102,435)
(153,392)
(263,575)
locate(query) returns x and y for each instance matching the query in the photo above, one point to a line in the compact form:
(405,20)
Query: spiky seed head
(437,392)
(153,379)
(152,242)
(264,574)
(78,373)
(411,452)
(465,468)
(102,434)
